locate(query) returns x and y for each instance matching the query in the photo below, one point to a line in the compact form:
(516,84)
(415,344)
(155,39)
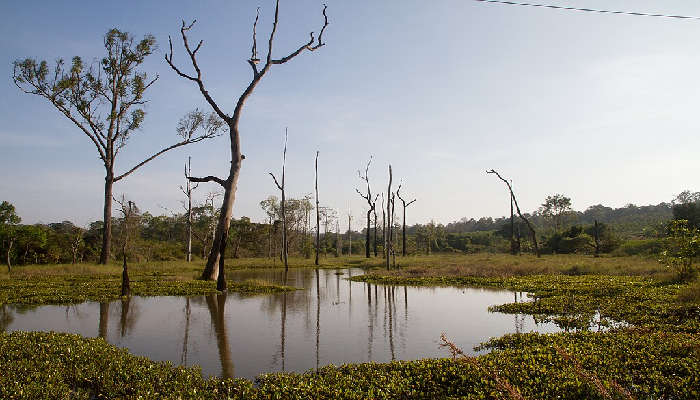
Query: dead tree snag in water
(285,248)
(387,238)
(517,207)
(403,232)
(370,202)
(231,182)
(318,216)
(188,192)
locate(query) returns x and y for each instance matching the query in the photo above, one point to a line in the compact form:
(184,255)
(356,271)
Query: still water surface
(331,321)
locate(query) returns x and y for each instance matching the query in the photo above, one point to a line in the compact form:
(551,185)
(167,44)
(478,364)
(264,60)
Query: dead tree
(129,213)
(391,229)
(318,215)
(187,190)
(596,237)
(383,227)
(349,233)
(517,207)
(338,243)
(285,248)
(387,238)
(374,207)
(513,248)
(370,202)
(403,231)
(231,182)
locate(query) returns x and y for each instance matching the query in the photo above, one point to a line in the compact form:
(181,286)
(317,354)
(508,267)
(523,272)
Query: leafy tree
(8,230)
(555,208)
(105,103)
(682,246)
(686,206)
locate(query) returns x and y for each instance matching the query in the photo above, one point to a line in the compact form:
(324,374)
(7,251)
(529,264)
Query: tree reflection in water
(216,303)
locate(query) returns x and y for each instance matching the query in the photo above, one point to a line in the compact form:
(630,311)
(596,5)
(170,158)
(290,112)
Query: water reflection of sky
(332,321)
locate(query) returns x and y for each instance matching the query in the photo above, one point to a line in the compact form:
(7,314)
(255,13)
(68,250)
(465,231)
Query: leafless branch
(209,178)
(306,46)
(193,59)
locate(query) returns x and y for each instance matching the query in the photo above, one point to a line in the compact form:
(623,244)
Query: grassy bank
(69,284)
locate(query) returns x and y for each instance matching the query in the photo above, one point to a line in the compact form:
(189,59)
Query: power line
(590,10)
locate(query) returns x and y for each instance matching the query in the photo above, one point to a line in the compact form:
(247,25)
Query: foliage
(8,214)
(554,209)
(84,368)
(682,247)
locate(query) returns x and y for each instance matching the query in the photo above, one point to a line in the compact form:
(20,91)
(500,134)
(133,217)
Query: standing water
(332,321)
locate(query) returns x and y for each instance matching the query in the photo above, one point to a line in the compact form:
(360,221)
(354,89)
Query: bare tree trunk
(337,239)
(375,232)
(107,226)
(9,251)
(126,289)
(387,240)
(189,210)
(269,239)
(596,236)
(231,183)
(285,244)
(403,233)
(367,234)
(318,216)
(512,229)
(349,234)
(517,207)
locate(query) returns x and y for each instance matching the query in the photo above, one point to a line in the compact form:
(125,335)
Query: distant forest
(627,230)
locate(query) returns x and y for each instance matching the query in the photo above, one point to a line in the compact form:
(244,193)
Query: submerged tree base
(647,364)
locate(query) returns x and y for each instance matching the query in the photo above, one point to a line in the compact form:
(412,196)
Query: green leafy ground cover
(649,364)
(71,289)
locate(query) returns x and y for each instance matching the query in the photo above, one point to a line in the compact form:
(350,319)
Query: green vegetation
(68,284)
(648,364)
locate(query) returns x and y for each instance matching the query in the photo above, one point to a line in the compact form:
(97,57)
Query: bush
(640,247)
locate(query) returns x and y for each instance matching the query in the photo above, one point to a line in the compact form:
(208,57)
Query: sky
(600,108)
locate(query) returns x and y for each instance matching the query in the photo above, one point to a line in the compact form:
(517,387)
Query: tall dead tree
(370,202)
(338,244)
(391,229)
(374,207)
(285,248)
(106,105)
(128,228)
(349,233)
(230,183)
(513,243)
(383,228)
(318,215)
(596,238)
(403,231)
(187,190)
(387,238)
(517,207)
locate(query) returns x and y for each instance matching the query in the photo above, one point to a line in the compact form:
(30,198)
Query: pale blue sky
(602,108)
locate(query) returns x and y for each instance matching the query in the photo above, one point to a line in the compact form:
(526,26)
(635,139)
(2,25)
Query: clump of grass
(690,294)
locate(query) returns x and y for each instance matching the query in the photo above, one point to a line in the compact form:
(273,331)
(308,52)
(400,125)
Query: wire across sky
(590,10)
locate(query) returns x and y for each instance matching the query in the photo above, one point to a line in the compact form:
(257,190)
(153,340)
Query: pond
(332,321)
